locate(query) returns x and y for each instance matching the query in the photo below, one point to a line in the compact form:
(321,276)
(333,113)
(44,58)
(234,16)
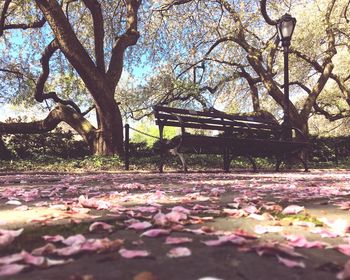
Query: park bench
(227,135)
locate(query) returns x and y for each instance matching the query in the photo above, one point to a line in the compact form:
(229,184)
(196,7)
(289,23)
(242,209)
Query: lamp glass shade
(285,27)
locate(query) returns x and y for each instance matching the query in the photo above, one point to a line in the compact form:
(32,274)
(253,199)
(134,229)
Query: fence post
(126,147)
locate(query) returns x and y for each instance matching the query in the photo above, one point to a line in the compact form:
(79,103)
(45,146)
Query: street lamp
(285,27)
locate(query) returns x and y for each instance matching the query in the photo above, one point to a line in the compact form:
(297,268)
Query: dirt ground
(291,225)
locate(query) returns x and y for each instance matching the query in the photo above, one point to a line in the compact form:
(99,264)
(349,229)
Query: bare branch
(328,116)
(173,3)
(264,13)
(40,96)
(36,24)
(346,12)
(3,16)
(60,114)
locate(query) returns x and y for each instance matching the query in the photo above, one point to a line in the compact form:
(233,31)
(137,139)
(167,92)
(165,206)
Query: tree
(84,33)
(241,51)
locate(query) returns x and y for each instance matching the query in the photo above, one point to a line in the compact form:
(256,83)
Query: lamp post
(285,27)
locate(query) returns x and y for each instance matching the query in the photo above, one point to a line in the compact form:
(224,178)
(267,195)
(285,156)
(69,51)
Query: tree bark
(59,114)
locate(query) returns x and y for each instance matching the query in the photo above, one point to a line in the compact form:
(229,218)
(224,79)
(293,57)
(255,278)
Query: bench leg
(304,162)
(278,164)
(252,161)
(182,158)
(227,160)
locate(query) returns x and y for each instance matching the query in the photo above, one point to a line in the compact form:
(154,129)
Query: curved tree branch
(346,12)
(3,16)
(59,114)
(40,96)
(264,13)
(36,24)
(328,116)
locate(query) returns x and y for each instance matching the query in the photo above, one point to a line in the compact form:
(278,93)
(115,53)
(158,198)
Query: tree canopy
(197,53)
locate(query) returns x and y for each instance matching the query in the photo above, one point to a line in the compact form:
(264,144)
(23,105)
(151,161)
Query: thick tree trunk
(109,137)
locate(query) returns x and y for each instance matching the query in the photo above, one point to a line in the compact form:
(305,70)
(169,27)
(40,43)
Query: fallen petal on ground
(131,254)
(179,252)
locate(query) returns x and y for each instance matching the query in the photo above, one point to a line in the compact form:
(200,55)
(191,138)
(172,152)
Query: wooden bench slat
(225,122)
(158,109)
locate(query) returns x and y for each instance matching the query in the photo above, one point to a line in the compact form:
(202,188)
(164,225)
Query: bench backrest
(167,116)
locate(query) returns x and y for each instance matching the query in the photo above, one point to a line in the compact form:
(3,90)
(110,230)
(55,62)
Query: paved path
(248,212)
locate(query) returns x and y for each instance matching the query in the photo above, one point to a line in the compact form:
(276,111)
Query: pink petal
(11,269)
(325,232)
(14,233)
(74,240)
(234,239)
(51,262)
(47,249)
(6,240)
(300,241)
(11,258)
(177,240)
(344,248)
(179,252)
(53,238)
(140,225)
(250,209)
(8,236)
(100,226)
(293,209)
(155,232)
(131,254)
(257,217)
(93,203)
(290,263)
(160,219)
(181,210)
(147,209)
(34,260)
(175,217)
(13,202)
(69,251)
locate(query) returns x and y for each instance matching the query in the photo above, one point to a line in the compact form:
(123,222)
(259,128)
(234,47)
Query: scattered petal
(179,252)
(177,240)
(155,232)
(131,254)
(290,263)
(293,209)
(11,269)
(140,225)
(100,226)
